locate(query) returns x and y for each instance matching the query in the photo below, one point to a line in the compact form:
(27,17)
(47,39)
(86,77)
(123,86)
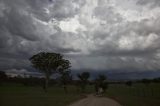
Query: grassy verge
(137,95)
(19,95)
(35,96)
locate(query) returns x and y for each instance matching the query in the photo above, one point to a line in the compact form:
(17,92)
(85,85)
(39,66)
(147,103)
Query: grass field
(35,96)
(19,95)
(137,95)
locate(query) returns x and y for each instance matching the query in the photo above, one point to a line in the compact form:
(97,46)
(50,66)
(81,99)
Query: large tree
(49,63)
(84,76)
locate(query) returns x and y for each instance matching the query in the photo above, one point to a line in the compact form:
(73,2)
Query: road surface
(96,101)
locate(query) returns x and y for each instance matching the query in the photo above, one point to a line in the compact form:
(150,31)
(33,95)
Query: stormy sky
(92,34)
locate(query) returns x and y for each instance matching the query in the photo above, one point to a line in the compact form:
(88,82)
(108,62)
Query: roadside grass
(137,95)
(19,95)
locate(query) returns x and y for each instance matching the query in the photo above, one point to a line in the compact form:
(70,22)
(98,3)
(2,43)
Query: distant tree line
(54,63)
(28,81)
(65,79)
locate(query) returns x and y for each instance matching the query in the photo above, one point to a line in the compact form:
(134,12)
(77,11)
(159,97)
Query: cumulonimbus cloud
(107,34)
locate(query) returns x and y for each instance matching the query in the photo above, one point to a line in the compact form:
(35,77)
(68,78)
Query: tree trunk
(65,89)
(46,83)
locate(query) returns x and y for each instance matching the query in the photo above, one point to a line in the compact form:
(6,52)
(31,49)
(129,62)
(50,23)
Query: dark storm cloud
(22,33)
(145,27)
(58,9)
(152,3)
(132,53)
(93,34)
(139,38)
(21,25)
(18,23)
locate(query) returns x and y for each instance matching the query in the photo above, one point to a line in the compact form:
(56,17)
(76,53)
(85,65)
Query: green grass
(19,95)
(35,96)
(137,95)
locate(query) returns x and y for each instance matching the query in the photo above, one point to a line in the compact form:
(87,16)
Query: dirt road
(96,101)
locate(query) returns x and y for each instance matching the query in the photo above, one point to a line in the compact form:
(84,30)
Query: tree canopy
(49,63)
(84,76)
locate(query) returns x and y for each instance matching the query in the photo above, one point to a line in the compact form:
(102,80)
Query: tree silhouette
(84,79)
(101,83)
(49,63)
(146,81)
(3,76)
(65,78)
(129,83)
(102,78)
